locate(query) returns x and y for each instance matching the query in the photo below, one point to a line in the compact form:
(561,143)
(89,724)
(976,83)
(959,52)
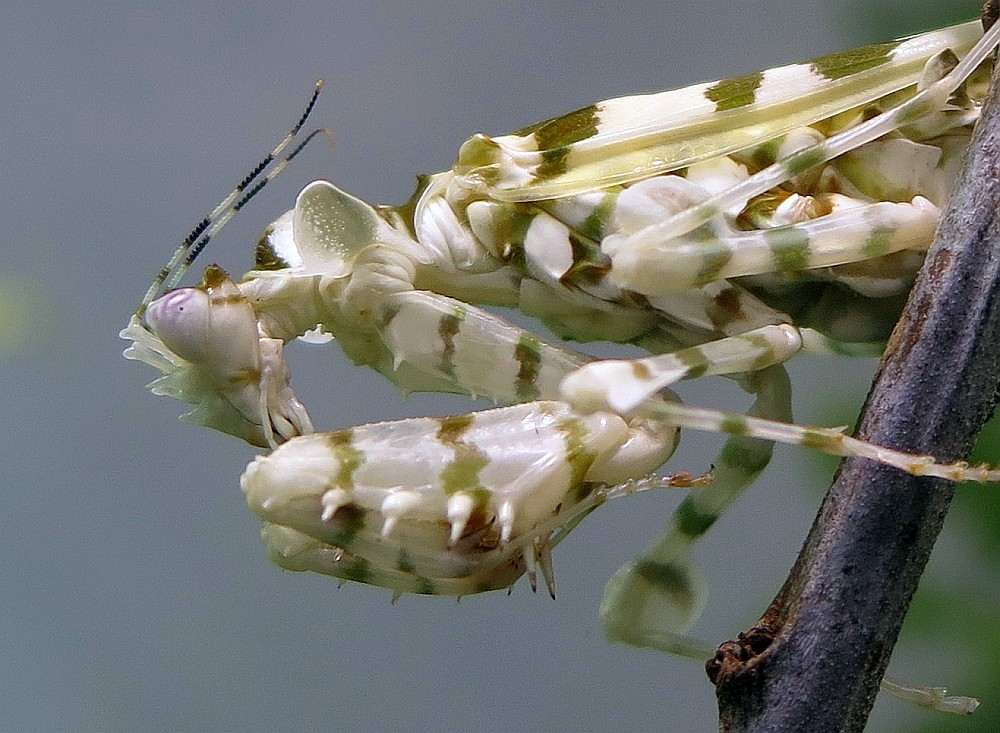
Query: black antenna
(197,247)
(194,243)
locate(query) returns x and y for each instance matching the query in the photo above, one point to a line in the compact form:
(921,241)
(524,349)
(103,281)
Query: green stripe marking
(357,569)
(426,587)
(641,371)
(509,224)
(578,456)
(823,440)
(736,92)
(462,473)
(529,361)
(749,456)
(555,138)
(594,227)
(513,224)
(766,153)
(479,151)
(345,526)
(404,564)
(590,263)
(568,129)
(694,361)
(879,243)
(766,356)
(553,164)
(716,256)
(349,458)
(690,522)
(448,327)
(451,429)
(789,246)
(734,425)
(802,160)
(672,578)
(845,63)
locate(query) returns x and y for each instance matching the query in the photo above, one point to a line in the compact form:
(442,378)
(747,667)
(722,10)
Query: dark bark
(815,659)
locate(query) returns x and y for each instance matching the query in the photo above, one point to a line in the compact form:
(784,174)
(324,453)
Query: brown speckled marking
(727,307)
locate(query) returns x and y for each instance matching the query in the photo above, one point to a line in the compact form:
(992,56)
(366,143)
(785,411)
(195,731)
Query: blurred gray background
(134,594)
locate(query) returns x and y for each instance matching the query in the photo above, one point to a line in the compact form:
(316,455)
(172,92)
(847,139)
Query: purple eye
(182,319)
(216,329)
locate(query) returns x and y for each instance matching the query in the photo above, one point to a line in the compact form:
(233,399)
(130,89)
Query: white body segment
(502,480)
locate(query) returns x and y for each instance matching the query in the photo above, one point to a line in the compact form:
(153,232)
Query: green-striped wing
(630,138)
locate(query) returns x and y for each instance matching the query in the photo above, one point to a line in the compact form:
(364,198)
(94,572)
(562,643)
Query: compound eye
(182,319)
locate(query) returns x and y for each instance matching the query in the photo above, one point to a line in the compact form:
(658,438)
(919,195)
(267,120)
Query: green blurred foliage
(25,315)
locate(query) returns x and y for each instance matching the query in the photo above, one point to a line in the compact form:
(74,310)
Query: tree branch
(815,659)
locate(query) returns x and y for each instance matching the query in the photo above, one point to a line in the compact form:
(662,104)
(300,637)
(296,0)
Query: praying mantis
(724,228)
